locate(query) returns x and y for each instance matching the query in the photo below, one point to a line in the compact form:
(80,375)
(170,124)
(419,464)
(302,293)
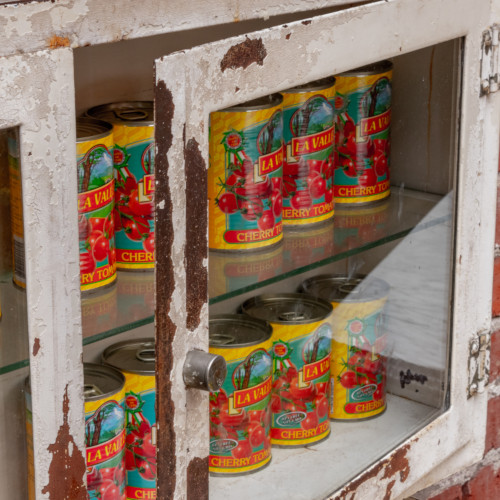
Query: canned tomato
(358,225)
(96,188)
(16,209)
(234,271)
(240,412)
(363,106)
(309,245)
(301,365)
(308,133)
(104,432)
(136,360)
(245,175)
(358,345)
(133,131)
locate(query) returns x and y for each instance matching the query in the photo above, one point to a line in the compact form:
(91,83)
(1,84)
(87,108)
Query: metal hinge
(489,60)
(479,363)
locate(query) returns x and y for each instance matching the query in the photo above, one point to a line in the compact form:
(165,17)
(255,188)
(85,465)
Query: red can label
(362,141)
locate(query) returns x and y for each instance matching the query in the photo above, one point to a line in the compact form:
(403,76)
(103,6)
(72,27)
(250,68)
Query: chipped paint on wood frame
(32,26)
(37,95)
(319,47)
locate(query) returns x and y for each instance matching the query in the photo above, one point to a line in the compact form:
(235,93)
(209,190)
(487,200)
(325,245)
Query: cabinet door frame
(192,84)
(37,96)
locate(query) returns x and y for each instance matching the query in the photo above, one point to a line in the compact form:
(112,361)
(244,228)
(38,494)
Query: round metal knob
(204,371)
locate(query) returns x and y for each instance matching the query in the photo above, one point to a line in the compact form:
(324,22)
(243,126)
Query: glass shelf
(126,304)
(129,302)
(354,230)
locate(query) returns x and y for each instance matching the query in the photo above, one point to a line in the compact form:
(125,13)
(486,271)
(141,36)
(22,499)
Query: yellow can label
(362,144)
(308,169)
(240,413)
(301,375)
(358,361)
(244,179)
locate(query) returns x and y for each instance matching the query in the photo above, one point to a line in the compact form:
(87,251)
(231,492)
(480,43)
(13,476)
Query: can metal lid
(369,69)
(133,113)
(342,288)
(287,308)
(237,330)
(101,381)
(133,356)
(268,101)
(324,83)
(88,129)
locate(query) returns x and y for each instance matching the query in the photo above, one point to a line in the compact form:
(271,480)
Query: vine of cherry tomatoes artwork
(140,453)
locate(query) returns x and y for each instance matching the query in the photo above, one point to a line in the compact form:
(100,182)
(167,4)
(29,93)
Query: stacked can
(133,131)
(308,169)
(302,339)
(16,209)
(96,188)
(359,343)
(136,360)
(245,175)
(240,412)
(363,106)
(104,433)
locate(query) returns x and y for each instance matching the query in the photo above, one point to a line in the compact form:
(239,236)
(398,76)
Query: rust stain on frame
(58,41)
(243,54)
(36,346)
(165,328)
(67,467)
(197,479)
(196,249)
(397,462)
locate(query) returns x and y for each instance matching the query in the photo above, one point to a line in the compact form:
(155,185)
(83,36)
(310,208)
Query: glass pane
(382,266)
(13,319)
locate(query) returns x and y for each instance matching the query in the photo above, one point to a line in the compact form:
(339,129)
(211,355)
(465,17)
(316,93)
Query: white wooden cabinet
(435,246)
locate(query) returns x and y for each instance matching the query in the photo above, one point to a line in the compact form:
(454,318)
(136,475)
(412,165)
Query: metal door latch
(479,363)
(204,371)
(489,60)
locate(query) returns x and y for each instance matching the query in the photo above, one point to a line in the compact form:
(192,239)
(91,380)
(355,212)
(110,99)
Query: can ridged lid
(324,83)
(133,356)
(369,69)
(268,101)
(237,330)
(88,129)
(133,113)
(100,381)
(342,288)
(287,308)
